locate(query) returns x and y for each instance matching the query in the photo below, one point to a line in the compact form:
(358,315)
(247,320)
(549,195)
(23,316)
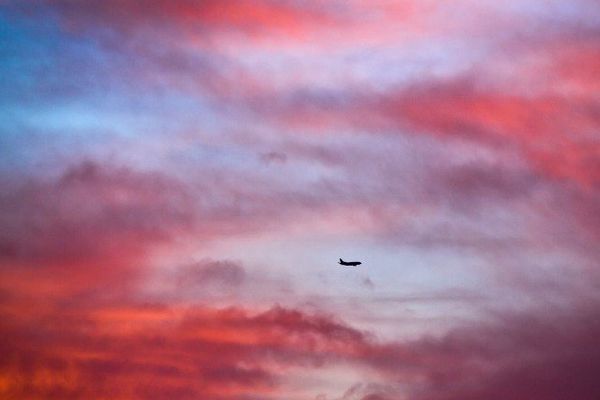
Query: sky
(179,179)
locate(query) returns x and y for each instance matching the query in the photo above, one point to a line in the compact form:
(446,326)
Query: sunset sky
(179,178)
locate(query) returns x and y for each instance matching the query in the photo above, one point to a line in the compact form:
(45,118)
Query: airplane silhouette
(349,263)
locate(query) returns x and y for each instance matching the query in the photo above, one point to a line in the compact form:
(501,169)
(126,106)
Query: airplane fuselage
(349,263)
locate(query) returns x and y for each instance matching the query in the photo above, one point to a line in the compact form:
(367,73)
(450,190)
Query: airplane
(349,263)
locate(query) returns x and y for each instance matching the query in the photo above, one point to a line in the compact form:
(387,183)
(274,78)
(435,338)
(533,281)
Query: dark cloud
(212,272)
(368,283)
(547,355)
(90,214)
(274,157)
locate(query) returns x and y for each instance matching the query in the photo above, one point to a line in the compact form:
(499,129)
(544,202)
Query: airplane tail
(341,261)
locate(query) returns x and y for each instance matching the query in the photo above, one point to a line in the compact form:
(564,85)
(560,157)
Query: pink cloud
(156,351)
(91,214)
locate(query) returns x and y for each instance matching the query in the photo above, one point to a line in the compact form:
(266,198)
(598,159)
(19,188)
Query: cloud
(371,391)
(546,353)
(199,18)
(157,352)
(95,213)
(552,132)
(367,283)
(212,272)
(91,223)
(90,213)
(549,355)
(273,157)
